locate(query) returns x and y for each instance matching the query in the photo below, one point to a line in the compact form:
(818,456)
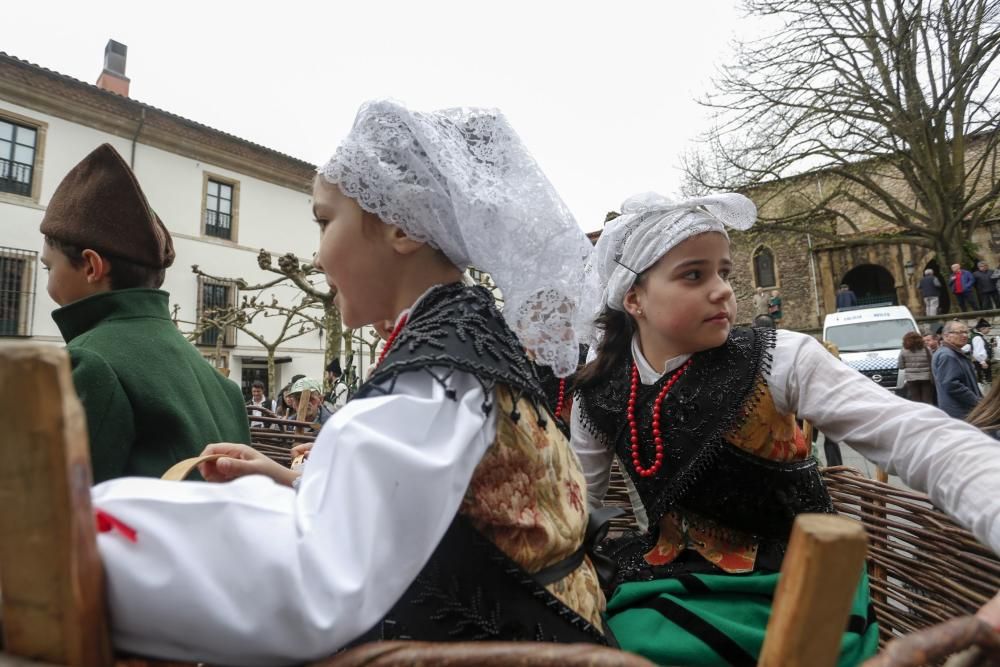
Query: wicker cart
(927,573)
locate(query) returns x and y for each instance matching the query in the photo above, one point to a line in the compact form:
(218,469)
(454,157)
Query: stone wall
(809,272)
(794,274)
(810,267)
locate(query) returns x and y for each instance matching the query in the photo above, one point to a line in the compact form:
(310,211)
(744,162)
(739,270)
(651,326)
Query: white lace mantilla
(462,181)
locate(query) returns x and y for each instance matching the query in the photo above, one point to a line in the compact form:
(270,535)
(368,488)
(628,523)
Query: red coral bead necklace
(392,339)
(657,406)
(562,397)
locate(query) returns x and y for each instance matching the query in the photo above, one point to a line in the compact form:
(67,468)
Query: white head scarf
(462,181)
(649,227)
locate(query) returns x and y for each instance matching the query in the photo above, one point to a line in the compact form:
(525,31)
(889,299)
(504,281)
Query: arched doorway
(872,284)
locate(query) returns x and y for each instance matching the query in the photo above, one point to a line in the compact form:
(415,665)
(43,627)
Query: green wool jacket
(150,398)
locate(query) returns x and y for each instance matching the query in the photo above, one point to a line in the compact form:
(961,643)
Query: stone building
(807,268)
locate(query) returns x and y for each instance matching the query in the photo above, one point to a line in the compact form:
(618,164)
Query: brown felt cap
(100,206)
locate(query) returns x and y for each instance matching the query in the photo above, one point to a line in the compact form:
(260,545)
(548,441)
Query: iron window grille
(17,291)
(216,299)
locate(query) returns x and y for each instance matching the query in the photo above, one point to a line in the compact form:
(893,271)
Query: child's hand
(299,454)
(301,449)
(241,460)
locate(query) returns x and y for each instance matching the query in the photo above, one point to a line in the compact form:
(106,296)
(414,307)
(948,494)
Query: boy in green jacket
(150,398)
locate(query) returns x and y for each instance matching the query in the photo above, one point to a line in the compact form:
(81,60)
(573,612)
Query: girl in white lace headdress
(701,418)
(446,462)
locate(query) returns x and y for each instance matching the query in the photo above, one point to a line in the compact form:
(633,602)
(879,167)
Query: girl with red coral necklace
(701,418)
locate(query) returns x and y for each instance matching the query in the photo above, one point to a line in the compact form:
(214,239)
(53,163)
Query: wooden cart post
(50,574)
(819,577)
(304,397)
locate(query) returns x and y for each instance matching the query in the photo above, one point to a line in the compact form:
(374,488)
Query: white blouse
(956,464)
(253,573)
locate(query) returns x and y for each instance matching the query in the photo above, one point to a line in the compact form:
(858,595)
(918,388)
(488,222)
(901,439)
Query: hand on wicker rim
(239,460)
(300,453)
(302,449)
(990,612)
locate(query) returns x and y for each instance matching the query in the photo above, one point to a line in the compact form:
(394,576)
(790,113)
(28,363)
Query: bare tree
(303,275)
(311,310)
(877,109)
(294,319)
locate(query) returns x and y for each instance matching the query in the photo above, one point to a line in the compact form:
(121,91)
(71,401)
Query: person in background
(846,298)
(915,360)
(986,286)
(982,350)
(258,400)
(954,374)
(930,289)
(761,301)
(280,405)
(316,411)
(774,307)
(961,284)
(931,342)
(332,375)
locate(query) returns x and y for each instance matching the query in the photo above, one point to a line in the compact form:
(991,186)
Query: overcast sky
(602,93)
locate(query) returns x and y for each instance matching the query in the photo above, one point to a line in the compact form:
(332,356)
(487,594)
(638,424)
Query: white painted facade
(270,216)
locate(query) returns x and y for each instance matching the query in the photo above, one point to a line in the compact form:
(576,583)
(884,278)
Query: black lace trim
(458,328)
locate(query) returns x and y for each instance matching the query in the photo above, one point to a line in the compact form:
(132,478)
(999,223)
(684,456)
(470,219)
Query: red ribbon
(107,523)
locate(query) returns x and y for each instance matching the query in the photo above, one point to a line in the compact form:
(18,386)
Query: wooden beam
(304,397)
(819,577)
(50,571)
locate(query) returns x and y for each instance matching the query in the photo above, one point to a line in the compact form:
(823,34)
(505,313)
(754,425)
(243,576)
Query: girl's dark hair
(986,415)
(618,328)
(913,341)
(124,274)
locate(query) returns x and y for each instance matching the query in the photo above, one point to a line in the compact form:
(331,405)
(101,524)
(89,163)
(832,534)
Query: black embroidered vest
(702,473)
(470,589)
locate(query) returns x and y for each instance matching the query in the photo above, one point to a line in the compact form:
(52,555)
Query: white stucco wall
(270,216)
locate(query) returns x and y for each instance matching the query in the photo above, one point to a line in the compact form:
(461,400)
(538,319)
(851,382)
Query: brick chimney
(113,77)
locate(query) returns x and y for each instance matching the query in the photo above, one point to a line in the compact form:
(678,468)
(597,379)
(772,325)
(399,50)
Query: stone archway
(873,284)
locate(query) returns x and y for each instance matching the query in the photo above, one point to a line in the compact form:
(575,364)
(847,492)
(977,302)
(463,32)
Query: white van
(870,339)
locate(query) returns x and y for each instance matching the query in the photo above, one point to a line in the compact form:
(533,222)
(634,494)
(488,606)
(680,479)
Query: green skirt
(717,619)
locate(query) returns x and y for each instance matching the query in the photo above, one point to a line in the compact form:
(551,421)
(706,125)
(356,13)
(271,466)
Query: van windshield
(867,336)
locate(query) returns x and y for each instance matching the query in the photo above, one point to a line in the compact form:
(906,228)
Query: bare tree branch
(891,103)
